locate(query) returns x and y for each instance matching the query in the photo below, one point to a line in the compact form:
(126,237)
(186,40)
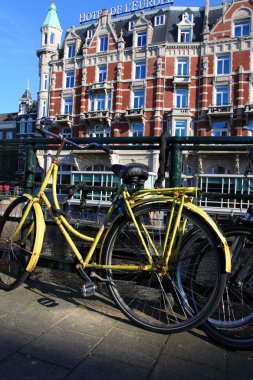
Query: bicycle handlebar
(50,123)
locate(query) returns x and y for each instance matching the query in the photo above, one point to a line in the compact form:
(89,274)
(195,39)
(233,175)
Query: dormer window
(159,20)
(185,35)
(185,28)
(131,25)
(90,33)
(190,17)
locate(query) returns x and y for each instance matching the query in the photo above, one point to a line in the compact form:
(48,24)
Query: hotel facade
(147,67)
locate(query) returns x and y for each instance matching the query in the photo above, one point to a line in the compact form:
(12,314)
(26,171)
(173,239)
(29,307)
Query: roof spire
(52,17)
(28,84)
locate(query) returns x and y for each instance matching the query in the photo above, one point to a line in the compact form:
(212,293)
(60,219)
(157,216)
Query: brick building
(21,124)
(188,70)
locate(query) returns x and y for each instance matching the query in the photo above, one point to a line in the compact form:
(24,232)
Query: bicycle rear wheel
(231,324)
(158,301)
(15,252)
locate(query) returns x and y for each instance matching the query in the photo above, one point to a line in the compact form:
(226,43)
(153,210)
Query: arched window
(22,126)
(45,38)
(51,38)
(30,126)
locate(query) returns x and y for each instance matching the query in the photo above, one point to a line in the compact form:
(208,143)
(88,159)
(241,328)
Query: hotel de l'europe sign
(129,7)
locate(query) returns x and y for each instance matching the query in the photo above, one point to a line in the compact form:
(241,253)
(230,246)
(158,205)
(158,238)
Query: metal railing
(176,146)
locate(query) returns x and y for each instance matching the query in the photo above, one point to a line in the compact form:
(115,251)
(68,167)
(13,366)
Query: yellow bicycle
(138,254)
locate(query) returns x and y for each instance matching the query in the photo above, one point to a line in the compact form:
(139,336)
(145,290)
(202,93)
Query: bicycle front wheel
(231,324)
(16,248)
(183,296)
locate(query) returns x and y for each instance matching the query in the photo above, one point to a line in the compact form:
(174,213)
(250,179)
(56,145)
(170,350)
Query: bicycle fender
(214,227)
(40,232)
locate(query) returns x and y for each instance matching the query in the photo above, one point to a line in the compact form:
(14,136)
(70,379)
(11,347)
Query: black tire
(231,325)
(14,254)
(153,299)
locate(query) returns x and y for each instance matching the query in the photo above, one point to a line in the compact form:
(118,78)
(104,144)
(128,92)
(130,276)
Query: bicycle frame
(178,197)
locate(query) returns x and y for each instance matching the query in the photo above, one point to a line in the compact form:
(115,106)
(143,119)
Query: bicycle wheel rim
(163,304)
(236,306)
(16,251)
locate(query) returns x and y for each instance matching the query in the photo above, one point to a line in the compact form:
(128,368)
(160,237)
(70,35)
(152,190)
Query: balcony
(222,80)
(249,109)
(182,79)
(64,119)
(99,86)
(135,113)
(97,117)
(180,112)
(215,111)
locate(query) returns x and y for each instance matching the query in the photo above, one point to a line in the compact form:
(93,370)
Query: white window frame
(181,95)
(139,97)
(131,25)
(159,20)
(220,131)
(141,39)
(183,34)
(68,106)
(71,50)
(98,102)
(182,62)
(140,70)
(237,24)
(102,73)
(99,131)
(221,63)
(44,108)
(103,43)
(90,33)
(45,82)
(178,129)
(135,130)
(219,90)
(69,79)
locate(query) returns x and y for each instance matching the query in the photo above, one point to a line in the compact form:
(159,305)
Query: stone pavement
(47,331)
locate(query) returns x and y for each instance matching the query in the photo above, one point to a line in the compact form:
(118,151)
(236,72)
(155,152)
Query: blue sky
(20,23)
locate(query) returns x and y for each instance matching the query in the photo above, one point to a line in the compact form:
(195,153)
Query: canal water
(55,244)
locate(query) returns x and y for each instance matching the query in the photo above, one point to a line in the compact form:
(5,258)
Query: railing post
(29,168)
(176,166)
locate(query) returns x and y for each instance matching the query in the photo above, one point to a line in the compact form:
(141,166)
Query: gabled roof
(8,116)
(162,33)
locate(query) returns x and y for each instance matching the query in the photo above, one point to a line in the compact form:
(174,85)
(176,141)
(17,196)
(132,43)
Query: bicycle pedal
(88,289)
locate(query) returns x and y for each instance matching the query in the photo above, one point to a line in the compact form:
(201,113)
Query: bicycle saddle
(132,174)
